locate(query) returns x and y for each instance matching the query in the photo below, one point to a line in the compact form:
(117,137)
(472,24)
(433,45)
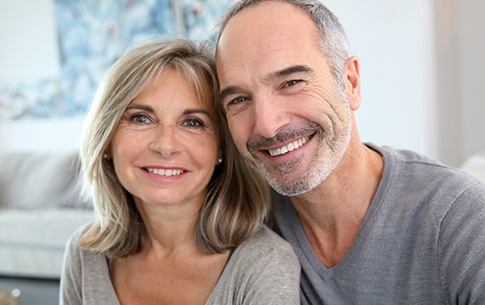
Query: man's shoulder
(415,166)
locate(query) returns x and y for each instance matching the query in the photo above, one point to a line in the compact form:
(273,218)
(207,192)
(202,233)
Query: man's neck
(332,213)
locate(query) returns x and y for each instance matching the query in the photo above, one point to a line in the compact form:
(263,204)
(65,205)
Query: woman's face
(166,144)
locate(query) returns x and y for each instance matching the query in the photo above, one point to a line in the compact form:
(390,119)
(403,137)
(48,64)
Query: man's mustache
(261,143)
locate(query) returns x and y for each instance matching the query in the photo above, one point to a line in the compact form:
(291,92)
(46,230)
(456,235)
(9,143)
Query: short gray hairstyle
(334,42)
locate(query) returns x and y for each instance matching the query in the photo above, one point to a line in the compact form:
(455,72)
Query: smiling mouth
(165,172)
(288,147)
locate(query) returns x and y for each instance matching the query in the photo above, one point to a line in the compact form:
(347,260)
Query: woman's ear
(352,81)
(107,154)
(219,157)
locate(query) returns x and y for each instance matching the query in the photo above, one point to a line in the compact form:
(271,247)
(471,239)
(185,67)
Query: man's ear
(352,81)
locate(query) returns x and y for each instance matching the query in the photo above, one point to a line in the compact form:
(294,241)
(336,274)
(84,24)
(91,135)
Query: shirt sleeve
(462,247)
(70,284)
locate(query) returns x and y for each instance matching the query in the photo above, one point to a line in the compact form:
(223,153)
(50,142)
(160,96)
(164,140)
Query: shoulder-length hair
(238,198)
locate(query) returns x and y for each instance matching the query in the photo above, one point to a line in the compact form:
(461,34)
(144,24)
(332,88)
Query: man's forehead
(264,39)
(265,19)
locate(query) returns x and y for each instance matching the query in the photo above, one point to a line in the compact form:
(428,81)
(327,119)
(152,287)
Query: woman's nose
(165,141)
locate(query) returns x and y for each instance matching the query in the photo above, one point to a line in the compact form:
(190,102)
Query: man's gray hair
(334,42)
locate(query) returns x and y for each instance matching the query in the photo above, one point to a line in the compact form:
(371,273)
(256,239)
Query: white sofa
(40,207)
(475,166)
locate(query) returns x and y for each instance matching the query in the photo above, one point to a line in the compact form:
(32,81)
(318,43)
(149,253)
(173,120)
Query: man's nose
(269,117)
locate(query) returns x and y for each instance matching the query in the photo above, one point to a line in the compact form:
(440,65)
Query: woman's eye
(194,123)
(139,119)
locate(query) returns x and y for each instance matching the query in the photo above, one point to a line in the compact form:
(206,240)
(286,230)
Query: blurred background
(422,74)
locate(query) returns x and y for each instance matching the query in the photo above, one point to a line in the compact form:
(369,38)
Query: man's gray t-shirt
(262,270)
(422,240)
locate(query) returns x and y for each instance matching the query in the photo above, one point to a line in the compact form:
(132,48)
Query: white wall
(460,79)
(29,48)
(471,76)
(45,135)
(392,40)
(28,52)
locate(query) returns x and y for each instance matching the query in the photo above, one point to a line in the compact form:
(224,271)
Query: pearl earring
(219,161)
(105,156)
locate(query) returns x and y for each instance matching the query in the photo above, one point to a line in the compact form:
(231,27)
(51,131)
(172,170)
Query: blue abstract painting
(92,36)
(200,18)
(30,99)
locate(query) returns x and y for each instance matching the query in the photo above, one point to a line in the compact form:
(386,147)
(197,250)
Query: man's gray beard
(296,186)
(320,167)
(318,170)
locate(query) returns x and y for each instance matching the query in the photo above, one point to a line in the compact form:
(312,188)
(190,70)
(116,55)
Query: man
(370,225)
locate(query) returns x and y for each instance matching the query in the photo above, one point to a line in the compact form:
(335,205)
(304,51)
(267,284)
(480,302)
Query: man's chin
(290,189)
(290,185)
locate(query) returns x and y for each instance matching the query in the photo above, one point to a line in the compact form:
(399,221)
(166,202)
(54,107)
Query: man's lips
(288,147)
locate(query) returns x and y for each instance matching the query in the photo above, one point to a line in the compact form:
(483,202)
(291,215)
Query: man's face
(288,116)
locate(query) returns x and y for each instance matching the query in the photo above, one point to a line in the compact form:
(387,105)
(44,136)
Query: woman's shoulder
(76,235)
(74,250)
(263,269)
(80,258)
(264,253)
(264,242)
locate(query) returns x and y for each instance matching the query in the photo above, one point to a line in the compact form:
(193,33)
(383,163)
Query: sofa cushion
(35,180)
(475,165)
(32,242)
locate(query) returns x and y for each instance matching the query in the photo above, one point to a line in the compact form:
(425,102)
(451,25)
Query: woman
(179,216)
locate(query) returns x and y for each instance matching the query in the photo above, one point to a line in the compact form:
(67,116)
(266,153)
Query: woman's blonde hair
(238,198)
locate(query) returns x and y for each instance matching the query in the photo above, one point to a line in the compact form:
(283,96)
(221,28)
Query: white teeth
(289,147)
(163,172)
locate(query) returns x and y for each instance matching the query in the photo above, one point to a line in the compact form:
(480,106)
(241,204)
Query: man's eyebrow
(287,71)
(228,91)
(271,76)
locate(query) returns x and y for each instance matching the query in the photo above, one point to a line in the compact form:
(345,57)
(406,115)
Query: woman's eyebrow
(186,111)
(140,107)
(196,110)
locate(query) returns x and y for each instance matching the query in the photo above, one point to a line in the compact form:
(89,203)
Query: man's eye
(193,123)
(237,100)
(291,83)
(236,103)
